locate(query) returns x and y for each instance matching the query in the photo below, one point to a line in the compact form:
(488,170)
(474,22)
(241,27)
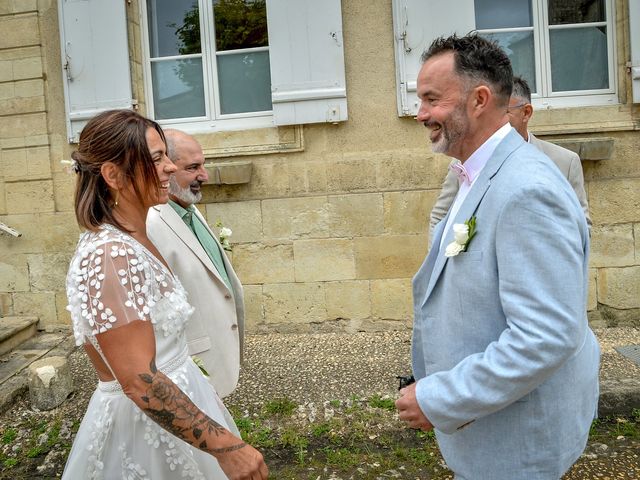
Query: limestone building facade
(329,210)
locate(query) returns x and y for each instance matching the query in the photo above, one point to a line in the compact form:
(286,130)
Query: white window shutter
(307,61)
(416,23)
(95,59)
(634,35)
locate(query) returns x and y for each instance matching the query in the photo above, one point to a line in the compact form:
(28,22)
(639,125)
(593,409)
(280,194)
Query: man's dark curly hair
(480,60)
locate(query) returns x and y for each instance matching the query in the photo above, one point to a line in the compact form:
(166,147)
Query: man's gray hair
(521,89)
(172,153)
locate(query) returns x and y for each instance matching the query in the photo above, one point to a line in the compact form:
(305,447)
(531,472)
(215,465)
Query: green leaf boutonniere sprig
(462,234)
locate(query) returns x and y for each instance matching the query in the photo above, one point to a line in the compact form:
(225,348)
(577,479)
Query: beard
(451,132)
(184,194)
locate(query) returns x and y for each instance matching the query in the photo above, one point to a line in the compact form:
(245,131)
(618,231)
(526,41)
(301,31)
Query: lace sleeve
(110,284)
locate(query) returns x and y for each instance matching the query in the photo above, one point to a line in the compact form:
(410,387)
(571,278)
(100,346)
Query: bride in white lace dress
(153,415)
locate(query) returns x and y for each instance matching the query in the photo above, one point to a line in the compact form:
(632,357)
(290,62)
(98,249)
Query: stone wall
(333,223)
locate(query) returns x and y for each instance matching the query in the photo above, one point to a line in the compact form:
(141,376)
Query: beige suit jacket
(567,161)
(216,329)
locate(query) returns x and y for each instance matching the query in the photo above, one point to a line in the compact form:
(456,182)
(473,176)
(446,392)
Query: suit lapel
(225,260)
(471,203)
(184,233)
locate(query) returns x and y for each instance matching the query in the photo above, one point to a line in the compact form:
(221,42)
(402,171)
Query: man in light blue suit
(505,362)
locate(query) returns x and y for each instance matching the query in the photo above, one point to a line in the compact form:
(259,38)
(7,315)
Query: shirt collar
(180,210)
(478,159)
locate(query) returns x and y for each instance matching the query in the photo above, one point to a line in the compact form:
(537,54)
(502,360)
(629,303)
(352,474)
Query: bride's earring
(115,203)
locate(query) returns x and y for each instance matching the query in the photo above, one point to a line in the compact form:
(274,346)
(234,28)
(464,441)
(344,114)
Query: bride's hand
(242,462)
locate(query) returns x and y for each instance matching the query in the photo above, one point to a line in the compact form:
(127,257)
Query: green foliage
(189,32)
(9,435)
(41,427)
(429,436)
(54,434)
(627,428)
(10,462)
(280,406)
(342,458)
(35,452)
(240,24)
(385,403)
(320,429)
(255,433)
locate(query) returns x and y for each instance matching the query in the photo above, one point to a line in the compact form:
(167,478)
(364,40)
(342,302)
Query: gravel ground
(324,367)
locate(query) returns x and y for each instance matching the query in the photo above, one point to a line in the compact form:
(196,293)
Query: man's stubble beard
(453,131)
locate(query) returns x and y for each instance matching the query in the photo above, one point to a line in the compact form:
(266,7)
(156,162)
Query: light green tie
(208,243)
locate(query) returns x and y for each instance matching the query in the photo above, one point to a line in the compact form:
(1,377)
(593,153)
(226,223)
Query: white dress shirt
(474,165)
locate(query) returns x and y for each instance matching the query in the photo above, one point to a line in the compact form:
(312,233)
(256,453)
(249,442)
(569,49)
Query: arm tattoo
(174,411)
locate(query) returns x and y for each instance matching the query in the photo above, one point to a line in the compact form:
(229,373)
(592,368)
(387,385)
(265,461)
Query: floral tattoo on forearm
(174,411)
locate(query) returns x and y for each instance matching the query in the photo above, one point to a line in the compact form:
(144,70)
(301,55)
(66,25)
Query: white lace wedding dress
(112,281)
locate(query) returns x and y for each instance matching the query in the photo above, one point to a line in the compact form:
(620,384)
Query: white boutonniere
(223,235)
(462,235)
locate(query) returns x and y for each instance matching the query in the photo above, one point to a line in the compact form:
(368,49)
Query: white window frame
(543,98)
(213,120)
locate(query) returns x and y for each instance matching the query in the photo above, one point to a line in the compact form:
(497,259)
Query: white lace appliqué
(143,280)
(99,432)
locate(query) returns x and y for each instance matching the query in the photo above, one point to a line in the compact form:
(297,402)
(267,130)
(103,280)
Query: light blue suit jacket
(506,364)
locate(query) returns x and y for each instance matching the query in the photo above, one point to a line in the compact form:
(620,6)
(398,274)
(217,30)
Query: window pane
(492,14)
(174,27)
(519,47)
(245,82)
(571,68)
(576,11)
(178,90)
(240,24)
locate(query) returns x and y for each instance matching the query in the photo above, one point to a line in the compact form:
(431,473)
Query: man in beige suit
(520,111)
(194,254)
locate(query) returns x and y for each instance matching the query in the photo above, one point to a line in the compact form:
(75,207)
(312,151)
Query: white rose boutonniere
(224,235)
(462,235)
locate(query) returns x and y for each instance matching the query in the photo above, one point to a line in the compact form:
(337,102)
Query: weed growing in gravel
(280,406)
(9,435)
(359,434)
(609,429)
(385,403)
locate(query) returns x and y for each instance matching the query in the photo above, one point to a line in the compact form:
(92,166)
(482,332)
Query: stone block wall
(33,266)
(334,221)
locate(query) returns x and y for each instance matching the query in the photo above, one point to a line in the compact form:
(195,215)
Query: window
(563,48)
(207,63)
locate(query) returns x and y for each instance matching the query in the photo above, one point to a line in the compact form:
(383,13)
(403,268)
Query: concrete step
(16,330)
(13,378)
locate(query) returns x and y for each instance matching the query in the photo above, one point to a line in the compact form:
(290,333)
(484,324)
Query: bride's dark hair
(119,137)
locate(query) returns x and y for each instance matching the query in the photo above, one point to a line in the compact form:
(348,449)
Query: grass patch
(342,458)
(280,407)
(255,433)
(608,429)
(384,403)
(10,462)
(9,435)
(35,452)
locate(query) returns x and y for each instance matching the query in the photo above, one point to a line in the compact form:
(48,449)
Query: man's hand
(243,463)
(409,410)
